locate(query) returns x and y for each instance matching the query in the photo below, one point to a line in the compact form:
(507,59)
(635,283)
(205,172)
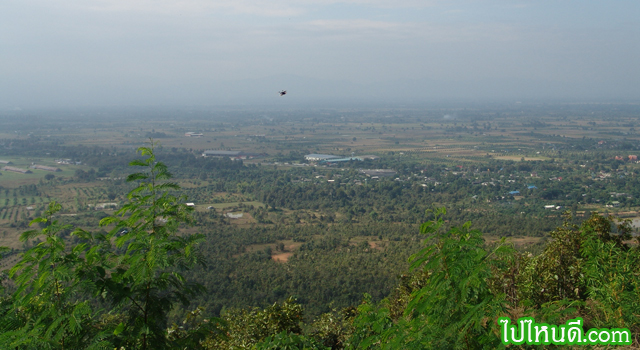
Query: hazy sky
(121,52)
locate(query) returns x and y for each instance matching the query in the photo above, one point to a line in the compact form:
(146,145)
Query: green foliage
(194,331)
(454,307)
(554,274)
(279,326)
(245,328)
(48,309)
(586,271)
(610,275)
(460,288)
(111,290)
(333,329)
(371,322)
(289,341)
(145,282)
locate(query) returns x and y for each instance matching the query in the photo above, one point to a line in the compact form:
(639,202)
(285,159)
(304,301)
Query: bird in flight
(283,92)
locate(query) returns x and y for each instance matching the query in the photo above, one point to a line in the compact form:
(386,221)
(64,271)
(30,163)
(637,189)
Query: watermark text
(527,331)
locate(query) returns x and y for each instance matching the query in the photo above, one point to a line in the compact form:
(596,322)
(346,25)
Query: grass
(9,179)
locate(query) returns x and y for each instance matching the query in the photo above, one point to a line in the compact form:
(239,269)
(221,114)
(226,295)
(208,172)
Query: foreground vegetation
(127,284)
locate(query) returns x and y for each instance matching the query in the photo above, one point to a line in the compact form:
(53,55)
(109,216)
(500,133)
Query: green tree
(454,306)
(610,275)
(49,309)
(275,324)
(112,290)
(144,282)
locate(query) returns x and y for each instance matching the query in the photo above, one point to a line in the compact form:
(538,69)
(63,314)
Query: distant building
(5,162)
(221,153)
(341,160)
(369,157)
(17,170)
(620,194)
(633,158)
(314,157)
(514,193)
(44,167)
(231,154)
(102,206)
(193,134)
(376,173)
(549,206)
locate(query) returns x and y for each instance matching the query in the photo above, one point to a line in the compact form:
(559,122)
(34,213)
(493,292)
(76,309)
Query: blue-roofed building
(531,187)
(513,193)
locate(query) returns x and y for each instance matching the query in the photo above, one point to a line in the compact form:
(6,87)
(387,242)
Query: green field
(12,179)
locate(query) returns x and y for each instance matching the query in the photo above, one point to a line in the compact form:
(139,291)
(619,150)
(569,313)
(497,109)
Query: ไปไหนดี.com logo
(526,330)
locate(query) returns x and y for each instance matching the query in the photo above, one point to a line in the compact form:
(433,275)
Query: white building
(314,157)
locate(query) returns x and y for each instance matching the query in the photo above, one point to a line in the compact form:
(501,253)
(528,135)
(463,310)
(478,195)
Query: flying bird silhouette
(283,92)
